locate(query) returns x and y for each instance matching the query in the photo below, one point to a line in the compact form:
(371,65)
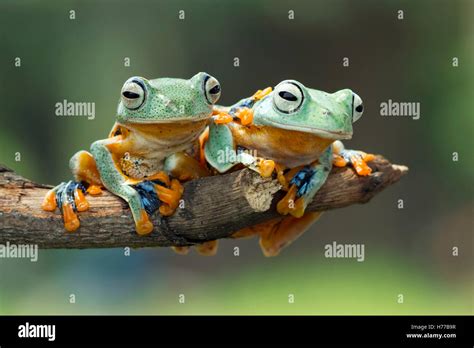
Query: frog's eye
(212,89)
(288,97)
(357,107)
(133,94)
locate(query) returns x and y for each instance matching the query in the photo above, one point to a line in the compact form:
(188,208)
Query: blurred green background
(407,251)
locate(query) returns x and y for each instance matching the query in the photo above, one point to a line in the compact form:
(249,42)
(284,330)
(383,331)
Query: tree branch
(214,208)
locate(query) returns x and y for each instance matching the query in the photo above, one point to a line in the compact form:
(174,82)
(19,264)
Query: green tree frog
(292,132)
(156,134)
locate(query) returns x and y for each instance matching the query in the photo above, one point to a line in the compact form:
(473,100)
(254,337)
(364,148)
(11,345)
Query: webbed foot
(70,198)
(170,197)
(357,159)
(294,202)
(161,193)
(279,233)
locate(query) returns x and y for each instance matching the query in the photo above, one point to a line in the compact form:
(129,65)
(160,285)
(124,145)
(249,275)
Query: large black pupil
(216,89)
(360,108)
(130,95)
(287,96)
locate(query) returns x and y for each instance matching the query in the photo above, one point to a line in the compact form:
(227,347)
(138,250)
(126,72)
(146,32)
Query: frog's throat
(316,131)
(169,120)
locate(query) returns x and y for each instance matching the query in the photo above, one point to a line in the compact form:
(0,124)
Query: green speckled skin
(169,100)
(326,115)
(157,120)
(320,112)
(166,101)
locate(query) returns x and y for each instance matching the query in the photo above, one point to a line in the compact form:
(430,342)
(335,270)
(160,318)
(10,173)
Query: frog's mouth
(316,131)
(182,119)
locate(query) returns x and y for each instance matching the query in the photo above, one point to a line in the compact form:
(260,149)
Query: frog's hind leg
(358,159)
(84,169)
(184,167)
(280,232)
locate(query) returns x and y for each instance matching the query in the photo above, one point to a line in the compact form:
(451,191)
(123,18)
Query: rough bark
(214,208)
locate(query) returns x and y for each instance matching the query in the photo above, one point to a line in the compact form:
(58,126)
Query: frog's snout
(357,107)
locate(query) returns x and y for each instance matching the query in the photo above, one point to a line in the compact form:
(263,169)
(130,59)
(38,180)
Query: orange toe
(177,187)
(143,226)
(49,201)
(166,210)
(281,177)
(299,208)
(80,200)
(184,250)
(222,118)
(172,195)
(71,222)
(266,168)
(285,204)
(161,176)
(94,190)
(369,157)
(207,248)
(260,94)
(339,161)
(245,115)
(360,166)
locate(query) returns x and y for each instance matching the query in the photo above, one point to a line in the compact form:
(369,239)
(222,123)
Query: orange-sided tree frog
(292,131)
(156,133)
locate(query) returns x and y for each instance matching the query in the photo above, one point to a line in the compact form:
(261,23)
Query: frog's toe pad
(170,196)
(81,202)
(94,190)
(156,195)
(207,248)
(143,226)
(49,201)
(358,160)
(182,250)
(266,168)
(298,208)
(285,205)
(71,221)
(339,161)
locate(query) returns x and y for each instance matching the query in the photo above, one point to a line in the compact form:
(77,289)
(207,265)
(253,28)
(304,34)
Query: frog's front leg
(116,182)
(304,185)
(358,159)
(221,153)
(70,196)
